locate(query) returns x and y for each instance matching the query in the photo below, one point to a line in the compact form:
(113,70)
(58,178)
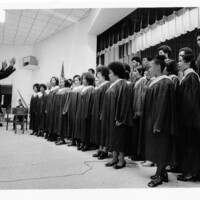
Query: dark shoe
(103,155)
(119,167)
(155,182)
(184,178)
(97,154)
(79,148)
(164,177)
(111,164)
(32,133)
(85,148)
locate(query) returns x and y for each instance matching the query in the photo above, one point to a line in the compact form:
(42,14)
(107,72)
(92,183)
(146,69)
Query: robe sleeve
(7,72)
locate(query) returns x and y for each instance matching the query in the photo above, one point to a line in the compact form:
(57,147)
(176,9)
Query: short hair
(42,85)
(36,85)
(89,78)
(104,71)
(160,60)
(198,33)
(67,83)
(56,79)
(118,69)
(128,70)
(77,76)
(141,70)
(189,58)
(171,67)
(136,58)
(92,70)
(149,58)
(167,49)
(187,50)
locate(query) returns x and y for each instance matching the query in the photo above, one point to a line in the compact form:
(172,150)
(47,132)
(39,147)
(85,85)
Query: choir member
(70,108)
(159,116)
(135,69)
(84,112)
(41,109)
(33,109)
(91,71)
(198,58)
(189,116)
(49,107)
(99,93)
(166,51)
(171,70)
(145,62)
(58,120)
(116,107)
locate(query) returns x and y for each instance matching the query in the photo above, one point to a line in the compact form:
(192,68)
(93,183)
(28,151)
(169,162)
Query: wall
(74,45)
(21,79)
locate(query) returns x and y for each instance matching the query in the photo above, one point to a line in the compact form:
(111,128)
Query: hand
(12,62)
(118,123)
(4,65)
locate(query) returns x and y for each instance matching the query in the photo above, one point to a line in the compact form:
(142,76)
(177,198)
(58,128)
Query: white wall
(21,79)
(74,45)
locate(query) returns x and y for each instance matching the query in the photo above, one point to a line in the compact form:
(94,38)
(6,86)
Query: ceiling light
(2,16)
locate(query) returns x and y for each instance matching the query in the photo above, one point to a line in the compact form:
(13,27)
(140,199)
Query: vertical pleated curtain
(123,44)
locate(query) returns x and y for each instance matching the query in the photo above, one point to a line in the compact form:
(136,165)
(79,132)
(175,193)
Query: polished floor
(30,162)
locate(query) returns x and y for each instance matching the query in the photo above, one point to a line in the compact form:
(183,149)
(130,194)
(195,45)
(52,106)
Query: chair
(23,112)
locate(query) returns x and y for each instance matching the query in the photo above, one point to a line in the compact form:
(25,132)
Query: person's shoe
(32,133)
(148,163)
(103,155)
(164,177)
(120,166)
(85,148)
(155,182)
(184,178)
(111,164)
(60,142)
(79,148)
(71,144)
(97,154)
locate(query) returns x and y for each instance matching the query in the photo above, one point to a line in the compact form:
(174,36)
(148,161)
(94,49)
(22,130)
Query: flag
(62,75)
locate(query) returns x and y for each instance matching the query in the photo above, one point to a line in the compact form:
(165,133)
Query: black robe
(189,116)
(116,107)
(98,98)
(159,113)
(49,109)
(33,113)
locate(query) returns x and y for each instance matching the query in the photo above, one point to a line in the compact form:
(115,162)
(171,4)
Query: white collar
(139,81)
(54,88)
(77,87)
(188,71)
(115,82)
(158,79)
(172,76)
(39,94)
(86,88)
(35,94)
(102,84)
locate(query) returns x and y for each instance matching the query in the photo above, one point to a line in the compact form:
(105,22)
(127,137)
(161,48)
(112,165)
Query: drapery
(166,28)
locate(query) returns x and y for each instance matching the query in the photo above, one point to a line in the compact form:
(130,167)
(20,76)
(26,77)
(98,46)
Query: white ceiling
(29,27)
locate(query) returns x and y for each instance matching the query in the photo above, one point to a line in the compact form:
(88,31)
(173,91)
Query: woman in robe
(84,112)
(40,109)
(58,106)
(116,107)
(98,97)
(189,116)
(49,107)
(33,106)
(160,125)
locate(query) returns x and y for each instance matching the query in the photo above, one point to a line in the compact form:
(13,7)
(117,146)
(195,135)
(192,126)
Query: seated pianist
(19,117)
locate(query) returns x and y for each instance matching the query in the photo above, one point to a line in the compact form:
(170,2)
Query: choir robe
(138,96)
(116,107)
(86,102)
(39,111)
(49,108)
(98,98)
(58,106)
(159,113)
(74,112)
(175,80)
(33,112)
(189,115)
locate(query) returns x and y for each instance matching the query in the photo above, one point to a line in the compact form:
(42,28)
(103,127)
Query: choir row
(140,111)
